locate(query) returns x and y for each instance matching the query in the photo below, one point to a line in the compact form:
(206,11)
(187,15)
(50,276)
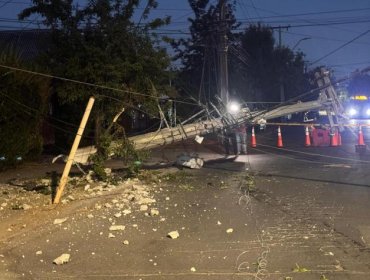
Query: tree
(198,76)
(22,111)
(260,68)
(359,84)
(100,44)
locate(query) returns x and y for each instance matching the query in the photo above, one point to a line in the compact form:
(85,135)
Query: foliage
(300,269)
(263,67)
(199,53)
(100,44)
(22,107)
(359,84)
(114,143)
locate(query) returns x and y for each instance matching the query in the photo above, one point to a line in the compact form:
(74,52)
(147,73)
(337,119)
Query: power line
(322,38)
(6,3)
(340,47)
(88,84)
(306,14)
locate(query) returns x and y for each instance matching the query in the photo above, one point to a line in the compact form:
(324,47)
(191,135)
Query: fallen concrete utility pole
(167,136)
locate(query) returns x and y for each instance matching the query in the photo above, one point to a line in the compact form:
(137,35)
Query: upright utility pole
(281,82)
(223,48)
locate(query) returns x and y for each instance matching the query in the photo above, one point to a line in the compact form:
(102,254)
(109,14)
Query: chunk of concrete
(117,227)
(60,221)
(62,259)
(173,234)
(190,162)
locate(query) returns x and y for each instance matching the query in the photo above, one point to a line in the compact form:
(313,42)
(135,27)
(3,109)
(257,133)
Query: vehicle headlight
(352,111)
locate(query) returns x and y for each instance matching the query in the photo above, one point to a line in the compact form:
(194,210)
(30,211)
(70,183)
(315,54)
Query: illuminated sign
(359,97)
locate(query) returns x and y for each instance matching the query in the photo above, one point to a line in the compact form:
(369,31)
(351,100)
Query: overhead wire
(86,83)
(340,47)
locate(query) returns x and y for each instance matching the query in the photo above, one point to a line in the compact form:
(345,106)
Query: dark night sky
(322,39)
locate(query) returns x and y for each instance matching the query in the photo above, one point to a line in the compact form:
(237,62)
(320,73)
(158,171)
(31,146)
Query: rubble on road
(193,162)
(173,234)
(117,227)
(59,221)
(62,259)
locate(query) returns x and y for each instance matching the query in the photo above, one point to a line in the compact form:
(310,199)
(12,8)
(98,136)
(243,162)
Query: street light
(303,39)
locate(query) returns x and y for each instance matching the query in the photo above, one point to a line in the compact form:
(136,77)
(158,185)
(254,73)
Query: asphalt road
(306,218)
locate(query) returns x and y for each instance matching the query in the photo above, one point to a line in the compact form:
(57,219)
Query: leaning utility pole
(222,49)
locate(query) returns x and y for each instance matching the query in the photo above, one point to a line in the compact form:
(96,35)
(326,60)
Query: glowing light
(233,107)
(352,111)
(359,97)
(368,112)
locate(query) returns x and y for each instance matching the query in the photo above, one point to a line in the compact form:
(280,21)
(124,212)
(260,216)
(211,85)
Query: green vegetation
(22,106)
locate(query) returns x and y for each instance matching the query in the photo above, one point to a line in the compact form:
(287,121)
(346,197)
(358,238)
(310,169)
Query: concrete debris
(59,221)
(26,207)
(111,235)
(39,253)
(193,269)
(219,223)
(4,204)
(229,230)
(87,187)
(117,227)
(144,207)
(154,212)
(167,198)
(173,234)
(126,212)
(199,139)
(190,162)
(90,216)
(70,197)
(125,242)
(146,200)
(108,171)
(117,215)
(62,259)
(89,178)
(108,205)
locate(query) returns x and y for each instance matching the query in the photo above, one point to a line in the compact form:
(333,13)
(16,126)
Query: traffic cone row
(335,138)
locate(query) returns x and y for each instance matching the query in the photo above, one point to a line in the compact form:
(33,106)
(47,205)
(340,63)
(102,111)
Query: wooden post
(76,142)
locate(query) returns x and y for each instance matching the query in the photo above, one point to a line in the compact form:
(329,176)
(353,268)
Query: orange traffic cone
(339,138)
(253,139)
(334,139)
(280,139)
(361,141)
(308,139)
